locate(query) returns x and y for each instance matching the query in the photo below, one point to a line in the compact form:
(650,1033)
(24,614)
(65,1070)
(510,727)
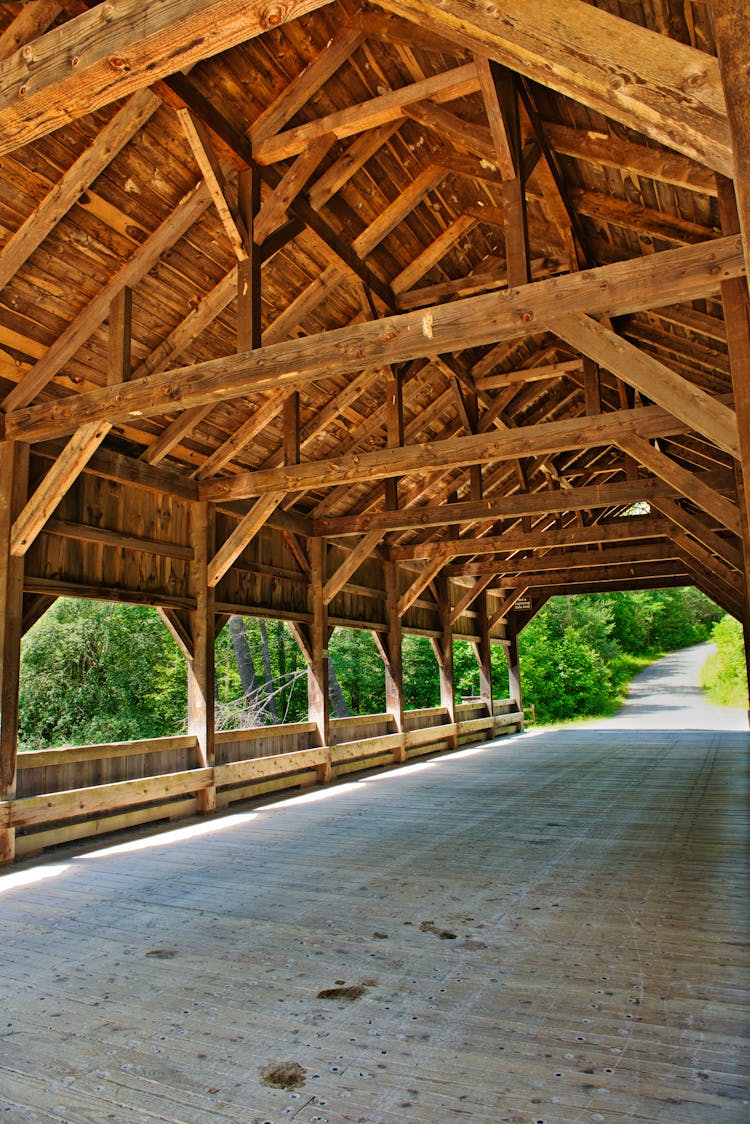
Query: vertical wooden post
(249,324)
(201,672)
(476,483)
(731,26)
(14,473)
(443,648)
(734,295)
(394,406)
(592,386)
(119,337)
(516,231)
(291,436)
(318,705)
(394,663)
(484,655)
(514,669)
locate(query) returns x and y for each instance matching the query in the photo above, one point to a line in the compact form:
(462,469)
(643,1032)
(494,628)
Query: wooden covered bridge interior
(403,317)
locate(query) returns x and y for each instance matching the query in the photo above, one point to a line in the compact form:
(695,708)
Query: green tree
(94,671)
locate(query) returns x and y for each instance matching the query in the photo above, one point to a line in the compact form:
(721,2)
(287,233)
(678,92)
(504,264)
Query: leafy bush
(724,674)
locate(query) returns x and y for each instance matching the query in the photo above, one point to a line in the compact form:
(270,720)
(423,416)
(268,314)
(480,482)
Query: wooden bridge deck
(549,928)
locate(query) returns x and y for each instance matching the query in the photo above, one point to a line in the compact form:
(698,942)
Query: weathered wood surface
(122,49)
(129,782)
(609,64)
(692,271)
(537,845)
(499,173)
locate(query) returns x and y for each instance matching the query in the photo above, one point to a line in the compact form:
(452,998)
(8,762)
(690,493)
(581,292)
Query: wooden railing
(68,794)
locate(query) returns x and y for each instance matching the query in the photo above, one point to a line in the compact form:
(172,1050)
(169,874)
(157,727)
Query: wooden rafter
(80,448)
(685,400)
(620,288)
(125,49)
(683,480)
(78,331)
(624,71)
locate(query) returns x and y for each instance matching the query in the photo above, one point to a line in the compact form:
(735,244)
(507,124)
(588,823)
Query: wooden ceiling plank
(73,183)
(694,406)
(448,86)
(611,290)
(244,532)
(78,331)
(359,553)
(116,50)
(212,173)
(67,466)
(684,481)
(659,164)
(656,85)
(307,83)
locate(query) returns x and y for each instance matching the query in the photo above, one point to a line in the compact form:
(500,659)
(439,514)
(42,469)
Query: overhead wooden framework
(386,315)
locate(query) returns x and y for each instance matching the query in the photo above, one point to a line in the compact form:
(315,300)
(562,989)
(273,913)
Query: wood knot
(273,15)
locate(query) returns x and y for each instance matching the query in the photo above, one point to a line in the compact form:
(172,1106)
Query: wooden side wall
(111,539)
(86,791)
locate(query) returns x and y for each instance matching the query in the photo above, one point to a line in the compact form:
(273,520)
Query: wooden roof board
(151,173)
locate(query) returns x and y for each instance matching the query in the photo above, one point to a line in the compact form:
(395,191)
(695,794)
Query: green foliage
(562,674)
(724,674)
(359,669)
(94,671)
(579,653)
(421,678)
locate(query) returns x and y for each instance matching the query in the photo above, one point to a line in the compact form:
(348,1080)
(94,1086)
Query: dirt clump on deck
(283,1075)
(348,993)
(431,927)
